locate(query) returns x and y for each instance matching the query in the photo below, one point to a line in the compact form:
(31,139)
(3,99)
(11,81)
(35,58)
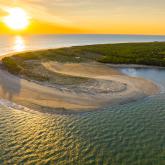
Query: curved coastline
(110,87)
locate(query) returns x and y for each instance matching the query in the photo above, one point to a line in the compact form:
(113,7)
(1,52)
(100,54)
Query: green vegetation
(130,53)
(29,64)
(127,53)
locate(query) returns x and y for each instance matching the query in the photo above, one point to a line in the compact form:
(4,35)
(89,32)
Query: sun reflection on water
(19,44)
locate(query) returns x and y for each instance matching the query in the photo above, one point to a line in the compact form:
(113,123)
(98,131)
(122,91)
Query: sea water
(129,134)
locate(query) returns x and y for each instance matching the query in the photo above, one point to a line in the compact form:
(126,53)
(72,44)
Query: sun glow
(17,19)
(19,44)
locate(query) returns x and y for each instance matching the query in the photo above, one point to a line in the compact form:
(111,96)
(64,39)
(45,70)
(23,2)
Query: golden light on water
(17,19)
(19,44)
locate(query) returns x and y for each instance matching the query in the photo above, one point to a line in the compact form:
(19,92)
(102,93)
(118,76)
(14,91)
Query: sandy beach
(107,86)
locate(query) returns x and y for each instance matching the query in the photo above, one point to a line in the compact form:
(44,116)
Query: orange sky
(89,16)
(39,27)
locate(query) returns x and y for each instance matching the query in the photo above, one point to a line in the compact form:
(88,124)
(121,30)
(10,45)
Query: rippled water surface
(129,134)
(126,134)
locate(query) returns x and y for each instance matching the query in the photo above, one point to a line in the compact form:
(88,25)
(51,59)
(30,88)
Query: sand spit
(106,86)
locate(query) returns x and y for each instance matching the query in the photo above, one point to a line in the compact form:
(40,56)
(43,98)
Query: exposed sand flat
(90,70)
(107,86)
(22,91)
(103,72)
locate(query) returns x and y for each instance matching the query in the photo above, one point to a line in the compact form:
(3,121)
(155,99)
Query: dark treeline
(127,53)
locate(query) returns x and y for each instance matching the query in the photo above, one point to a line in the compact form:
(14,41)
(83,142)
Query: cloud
(36,9)
(93,14)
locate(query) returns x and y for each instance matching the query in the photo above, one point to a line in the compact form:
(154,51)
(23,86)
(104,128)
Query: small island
(77,79)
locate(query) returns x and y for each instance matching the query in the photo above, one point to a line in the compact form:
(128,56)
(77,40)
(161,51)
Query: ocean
(10,44)
(128,134)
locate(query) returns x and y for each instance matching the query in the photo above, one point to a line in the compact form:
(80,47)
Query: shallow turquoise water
(129,134)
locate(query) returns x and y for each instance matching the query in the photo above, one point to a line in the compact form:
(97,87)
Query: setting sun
(17,19)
